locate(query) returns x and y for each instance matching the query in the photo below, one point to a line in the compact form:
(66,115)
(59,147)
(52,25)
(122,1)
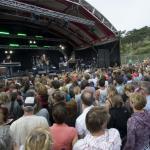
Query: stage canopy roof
(74,20)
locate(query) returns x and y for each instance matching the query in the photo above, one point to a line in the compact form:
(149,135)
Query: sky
(124,14)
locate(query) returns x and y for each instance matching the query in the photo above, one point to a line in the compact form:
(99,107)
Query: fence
(125,59)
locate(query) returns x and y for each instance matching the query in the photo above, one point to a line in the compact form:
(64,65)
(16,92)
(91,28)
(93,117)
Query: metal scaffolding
(96,13)
(44,12)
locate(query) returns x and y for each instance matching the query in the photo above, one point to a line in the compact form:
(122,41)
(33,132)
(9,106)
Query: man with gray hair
(87,104)
(23,126)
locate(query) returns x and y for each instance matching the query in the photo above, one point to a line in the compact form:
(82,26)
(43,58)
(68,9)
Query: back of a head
(96,119)
(112,91)
(117,101)
(129,88)
(87,98)
(55,84)
(41,90)
(29,104)
(138,101)
(84,83)
(39,139)
(101,82)
(119,80)
(87,76)
(145,85)
(58,97)
(59,113)
(30,93)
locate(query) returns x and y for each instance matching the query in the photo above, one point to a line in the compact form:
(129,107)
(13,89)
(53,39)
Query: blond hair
(129,88)
(41,89)
(117,101)
(138,101)
(39,139)
(4,98)
(112,91)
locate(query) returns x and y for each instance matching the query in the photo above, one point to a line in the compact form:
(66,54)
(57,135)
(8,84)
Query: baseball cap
(29,102)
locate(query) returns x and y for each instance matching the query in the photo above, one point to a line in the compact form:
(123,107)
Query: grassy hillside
(136,41)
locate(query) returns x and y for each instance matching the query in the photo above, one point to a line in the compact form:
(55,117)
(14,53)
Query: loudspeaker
(103,58)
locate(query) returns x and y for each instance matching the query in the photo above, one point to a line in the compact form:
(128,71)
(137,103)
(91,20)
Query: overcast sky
(125,14)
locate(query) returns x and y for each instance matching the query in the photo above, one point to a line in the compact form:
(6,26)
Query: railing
(125,59)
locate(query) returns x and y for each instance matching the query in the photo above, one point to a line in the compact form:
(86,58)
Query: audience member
(38,139)
(118,116)
(63,136)
(138,126)
(21,128)
(6,142)
(99,138)
(87,104)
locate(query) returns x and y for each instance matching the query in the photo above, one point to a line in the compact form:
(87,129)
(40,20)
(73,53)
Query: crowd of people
(97,109)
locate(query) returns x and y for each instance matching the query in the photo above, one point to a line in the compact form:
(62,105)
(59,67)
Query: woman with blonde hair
(4,98)
(111,93)
(138,126)
(39,139)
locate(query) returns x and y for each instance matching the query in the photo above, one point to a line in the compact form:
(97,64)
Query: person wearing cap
(21,128)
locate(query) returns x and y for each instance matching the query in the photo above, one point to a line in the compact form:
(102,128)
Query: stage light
(4,33)
(39,37)
(60,46)
(10,52)
(30,42)
(6,52)
(21,34)
(63,47)
(14,45)
(34,42)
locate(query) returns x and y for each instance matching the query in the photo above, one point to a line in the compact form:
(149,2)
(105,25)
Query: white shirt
(80,122)
(21,128)
(109,141)
(94,81)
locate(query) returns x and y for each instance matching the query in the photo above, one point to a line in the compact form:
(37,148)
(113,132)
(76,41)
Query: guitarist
(44,62)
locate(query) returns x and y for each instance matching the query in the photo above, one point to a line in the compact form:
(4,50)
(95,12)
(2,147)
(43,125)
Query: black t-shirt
(118,120)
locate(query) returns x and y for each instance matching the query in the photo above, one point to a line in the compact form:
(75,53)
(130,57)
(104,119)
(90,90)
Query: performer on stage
(44,62)
(7,59)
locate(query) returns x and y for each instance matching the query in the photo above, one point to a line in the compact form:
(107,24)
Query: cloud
(124,14)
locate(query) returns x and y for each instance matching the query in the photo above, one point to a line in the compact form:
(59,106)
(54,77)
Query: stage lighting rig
(35,10)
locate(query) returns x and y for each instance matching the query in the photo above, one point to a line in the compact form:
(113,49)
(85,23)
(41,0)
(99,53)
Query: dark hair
(87,98)
(55,84)
(96,119)
(30,93)
(91,84)
(83,84)
(13,96)
(58,96)
(4,112)
(119,80)
(59,113)
(102,82)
